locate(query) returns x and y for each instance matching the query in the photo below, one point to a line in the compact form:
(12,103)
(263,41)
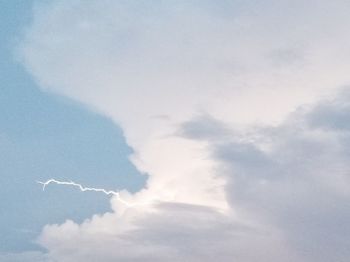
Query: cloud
(295,178)
(288,194)
(333,115)
(233,175)
(175,232)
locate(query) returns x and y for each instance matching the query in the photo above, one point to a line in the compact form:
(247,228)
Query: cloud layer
(204,93)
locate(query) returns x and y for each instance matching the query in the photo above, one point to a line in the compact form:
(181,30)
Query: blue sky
(45,135)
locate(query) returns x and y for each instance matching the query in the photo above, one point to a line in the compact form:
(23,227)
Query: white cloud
(221,195)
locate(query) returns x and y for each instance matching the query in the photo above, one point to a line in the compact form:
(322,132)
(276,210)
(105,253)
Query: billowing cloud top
(211,97)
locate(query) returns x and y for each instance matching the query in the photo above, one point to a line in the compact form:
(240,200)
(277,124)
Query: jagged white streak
(83,189)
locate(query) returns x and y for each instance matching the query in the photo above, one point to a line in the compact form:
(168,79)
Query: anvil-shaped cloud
(204,92)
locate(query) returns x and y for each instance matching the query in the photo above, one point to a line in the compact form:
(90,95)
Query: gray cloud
(296,177)
(204,127)
(334,114)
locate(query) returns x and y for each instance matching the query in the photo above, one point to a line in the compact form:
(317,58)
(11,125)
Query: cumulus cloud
(295,177)
(288,192)
(204,93)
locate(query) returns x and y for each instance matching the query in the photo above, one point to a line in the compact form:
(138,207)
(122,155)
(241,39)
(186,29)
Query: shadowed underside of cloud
(294,177)
(221,186)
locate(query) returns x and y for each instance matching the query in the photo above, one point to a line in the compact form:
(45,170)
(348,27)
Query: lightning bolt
(83,189)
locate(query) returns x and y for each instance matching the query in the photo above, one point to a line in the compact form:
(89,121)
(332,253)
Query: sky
(221,127)
(42,136)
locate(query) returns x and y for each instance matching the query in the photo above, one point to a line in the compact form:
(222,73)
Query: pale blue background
(44,136)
